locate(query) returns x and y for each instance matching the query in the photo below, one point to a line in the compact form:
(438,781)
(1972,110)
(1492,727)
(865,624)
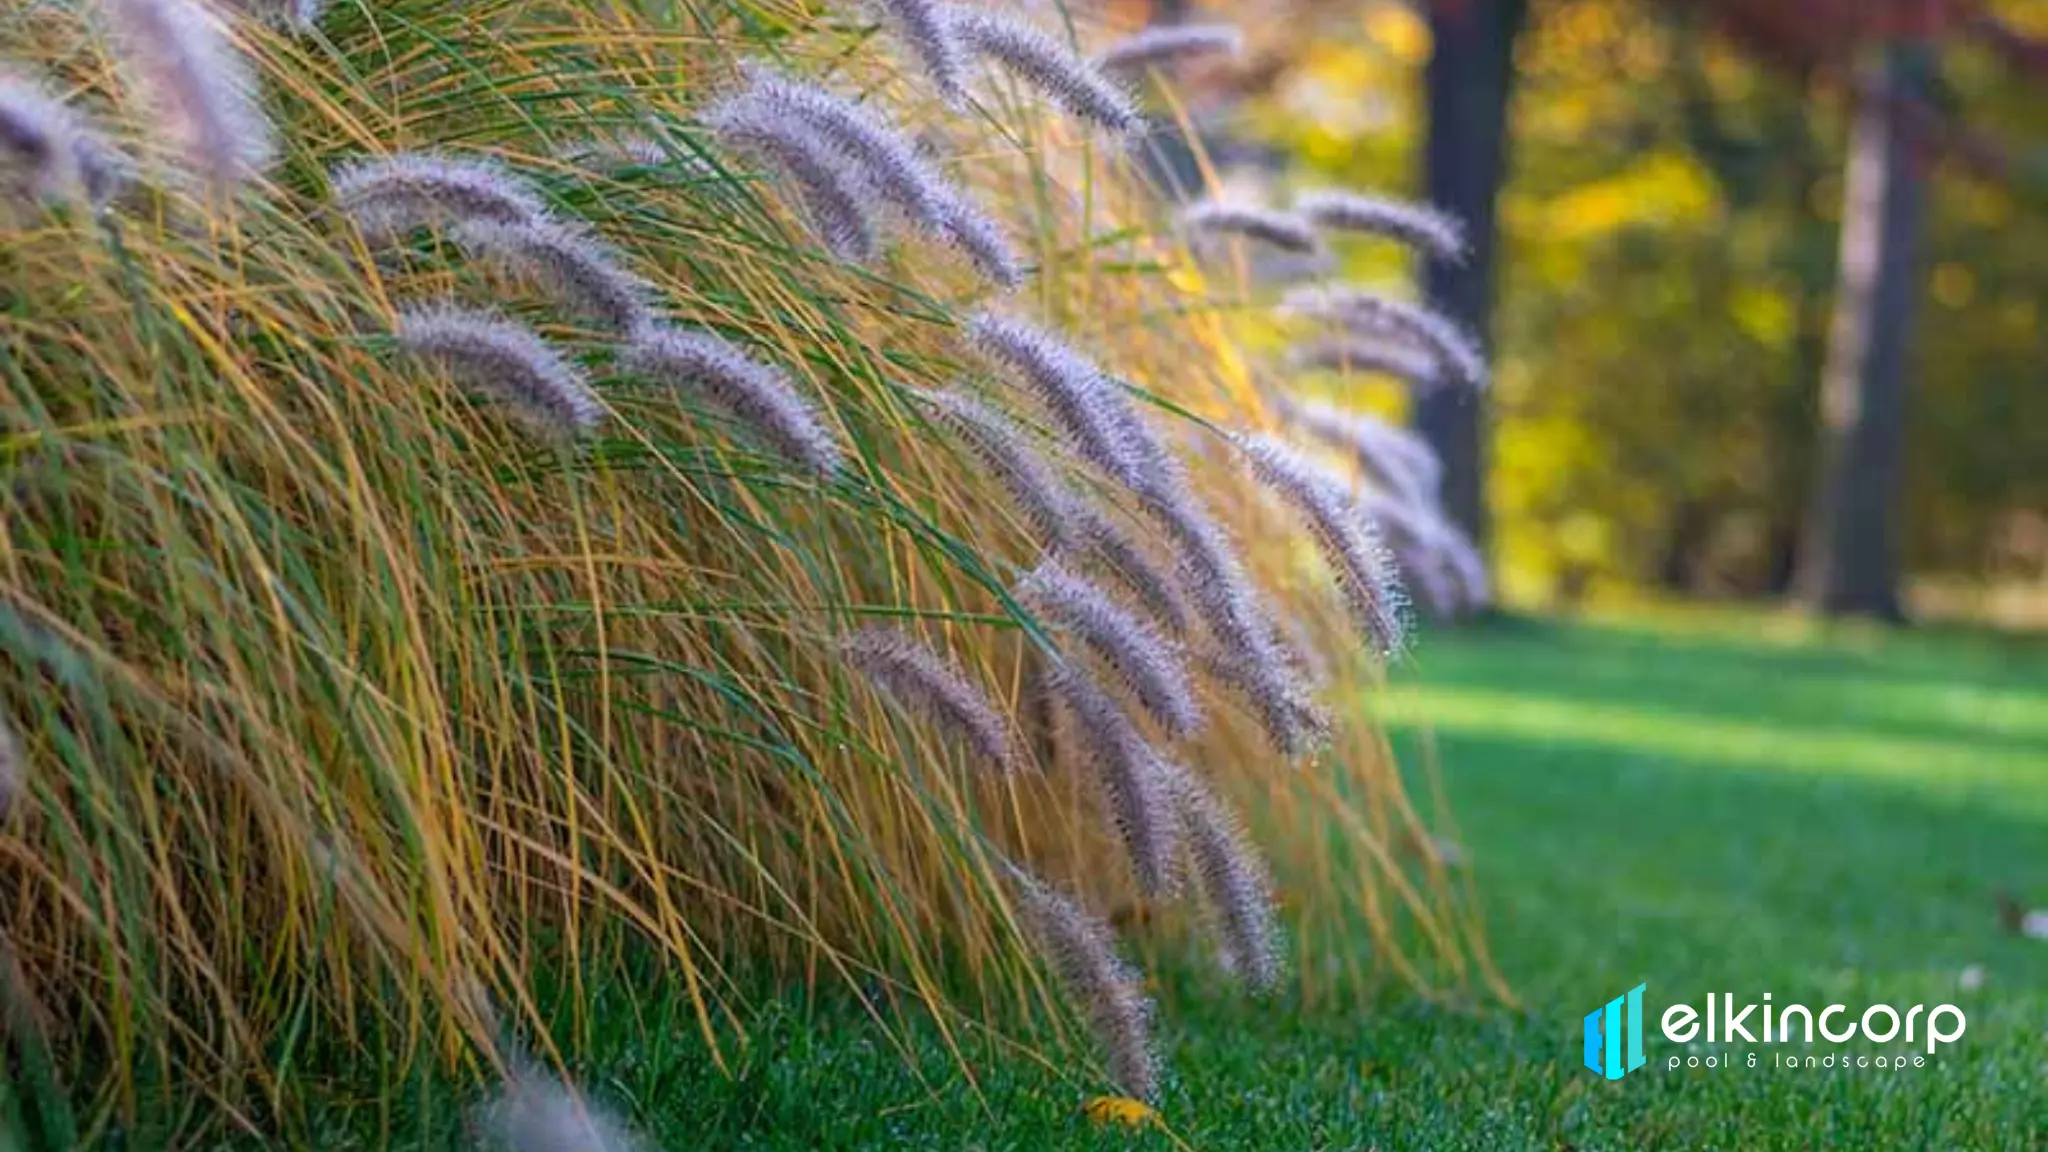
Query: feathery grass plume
(891,165)
(50,150)
(755,395)
(1373,314)
(925,683)
(1435,551)
(1074,391)
(1399,461)
(830,188)
(975,235)
(1249,656)
(1007,452)
(570,264)
(1130,772)
(1365,573)
(1169,44)
(505,361)
(391,195)
(923,26)
(1419,226)
(200,91)
(1115,550)
(1353,353)
(535,1112)
(1109,992)
(1047,65)
(1147,663)
(1283,230)
(1235,885)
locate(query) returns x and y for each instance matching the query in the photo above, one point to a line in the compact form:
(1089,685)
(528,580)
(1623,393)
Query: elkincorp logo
(1604,1052)
(1614,1034)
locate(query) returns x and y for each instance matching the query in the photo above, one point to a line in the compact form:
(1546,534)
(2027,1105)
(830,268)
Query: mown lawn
(1714,804)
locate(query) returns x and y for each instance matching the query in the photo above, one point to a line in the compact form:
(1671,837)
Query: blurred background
(1763,278)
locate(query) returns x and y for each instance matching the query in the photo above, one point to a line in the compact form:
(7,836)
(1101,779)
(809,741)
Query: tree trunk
(1470,77)
(1851,562)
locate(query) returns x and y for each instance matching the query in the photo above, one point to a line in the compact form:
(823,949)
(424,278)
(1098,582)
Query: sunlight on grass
(1954,768)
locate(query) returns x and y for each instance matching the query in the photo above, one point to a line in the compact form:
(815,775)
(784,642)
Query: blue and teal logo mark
(1604,1036)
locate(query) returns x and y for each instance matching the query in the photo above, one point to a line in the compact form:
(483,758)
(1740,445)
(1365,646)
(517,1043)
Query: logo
(1604,1036)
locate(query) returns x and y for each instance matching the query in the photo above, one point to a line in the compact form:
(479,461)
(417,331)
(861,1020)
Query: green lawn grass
(1697,804)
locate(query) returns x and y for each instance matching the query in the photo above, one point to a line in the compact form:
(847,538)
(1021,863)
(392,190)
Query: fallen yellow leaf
(1120,1110)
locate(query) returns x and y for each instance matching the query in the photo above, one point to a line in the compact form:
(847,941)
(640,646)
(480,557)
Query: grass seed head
(1366,575)
(922,26)
(1169,44)
(1419,226)
(1129,771)
(534,1112)
(1072,83)
(1111,548)
(1007,452)
(757,396)
(1350,353)
(507,362)
(1373,315)
(200,91)
(391,195)
(1283,230)
(1149,665)
(1107,992)
(927,684)
(831,188)
(1399,462)
(1234,883)
(48,151)
(570,264)
(1072,390)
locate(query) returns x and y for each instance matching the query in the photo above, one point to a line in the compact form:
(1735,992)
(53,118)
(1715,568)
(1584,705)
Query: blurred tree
(1850,564)
(1469,81)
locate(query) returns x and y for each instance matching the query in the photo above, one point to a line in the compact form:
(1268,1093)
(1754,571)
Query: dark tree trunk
(1850,564)
(1470,78)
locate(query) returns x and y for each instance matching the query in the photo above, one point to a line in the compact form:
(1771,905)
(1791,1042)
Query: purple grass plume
(1149,665)
(201,93)
(1365,573)
(1106,991)
(923,26)
(507,362)
(1133,778)
(1235,886)
(1006,451)
(570,264)
(1399,462)
(534,1112)
(1169,44)
(1419,226)
(1085,403)
(1246,653)
(1348,353)
(1105,546)
(48,151)
(1283,230)
(831,189)
(391,195)
(1074,84)
(1439,559)
(760,398)
(1370,314)
(890,164)
(924,683)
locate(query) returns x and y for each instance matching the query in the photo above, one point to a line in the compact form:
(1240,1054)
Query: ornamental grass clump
(362,702)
